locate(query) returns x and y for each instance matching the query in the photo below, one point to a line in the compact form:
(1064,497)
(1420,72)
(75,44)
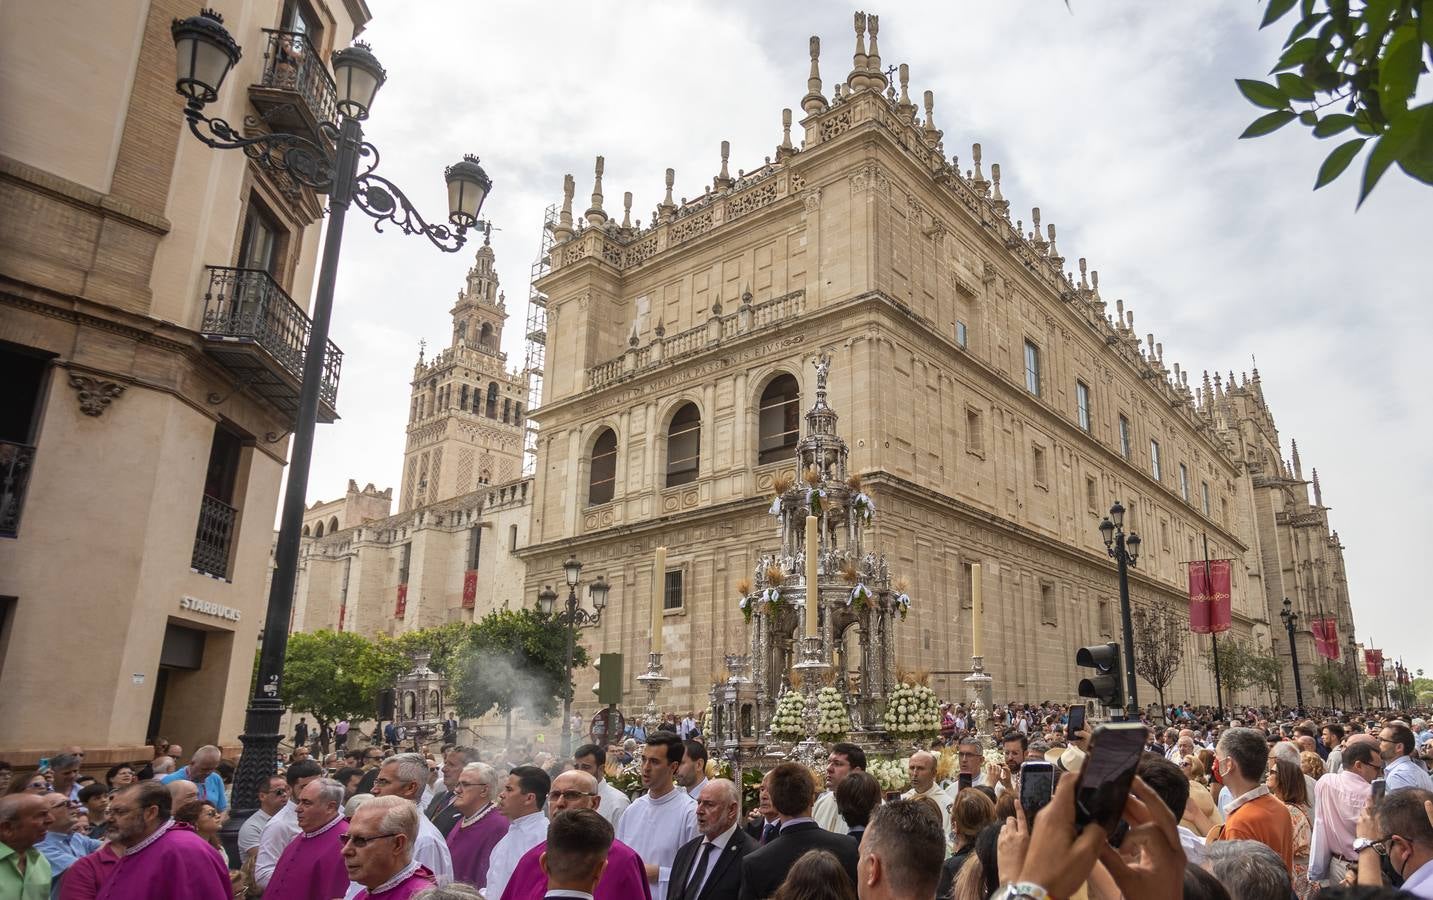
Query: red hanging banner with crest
(1220,594)
(1327,638)
(401,607)
(470,589)
(1209,611)
(1198,599)
(1373,662)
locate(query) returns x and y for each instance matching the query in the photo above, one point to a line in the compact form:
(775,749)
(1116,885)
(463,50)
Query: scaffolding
(535,351)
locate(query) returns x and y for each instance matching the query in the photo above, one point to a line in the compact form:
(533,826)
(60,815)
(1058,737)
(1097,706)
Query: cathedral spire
(596,215)
(1294,445)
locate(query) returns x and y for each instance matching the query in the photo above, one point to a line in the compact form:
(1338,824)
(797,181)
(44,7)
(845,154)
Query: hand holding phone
(1107,774)
(1037,787)
(1380,787)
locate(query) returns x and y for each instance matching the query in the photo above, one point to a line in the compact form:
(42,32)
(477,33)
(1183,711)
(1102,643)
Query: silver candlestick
(652,680)
(979,685)
(813,664)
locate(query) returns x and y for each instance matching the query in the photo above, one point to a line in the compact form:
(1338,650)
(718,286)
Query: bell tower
(465,417)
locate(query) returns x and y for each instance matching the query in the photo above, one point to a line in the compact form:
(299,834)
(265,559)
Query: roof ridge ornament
(563,230)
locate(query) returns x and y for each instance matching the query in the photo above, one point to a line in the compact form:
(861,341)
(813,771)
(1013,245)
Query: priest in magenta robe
(481,826)
(625,877)
(311,866)
(378,850)
(164,859)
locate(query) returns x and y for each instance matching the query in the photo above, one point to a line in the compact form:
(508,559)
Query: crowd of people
(1266,805)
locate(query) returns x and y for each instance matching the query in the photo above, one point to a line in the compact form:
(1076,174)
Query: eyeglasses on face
(569,796)
(467,785)
(360,841)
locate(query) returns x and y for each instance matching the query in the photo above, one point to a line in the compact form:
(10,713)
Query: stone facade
(993,405)
(355,507)
(139,470)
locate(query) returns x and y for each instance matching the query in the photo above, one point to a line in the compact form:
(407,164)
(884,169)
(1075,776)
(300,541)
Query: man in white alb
(658,823)
(520,802)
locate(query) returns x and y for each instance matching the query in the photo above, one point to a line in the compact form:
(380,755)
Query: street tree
(1352,69)
(1159,645)
(509,660)
(334,676)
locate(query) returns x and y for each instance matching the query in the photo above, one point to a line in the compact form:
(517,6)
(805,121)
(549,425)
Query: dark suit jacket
(724,879)
(763,870)
(442,813)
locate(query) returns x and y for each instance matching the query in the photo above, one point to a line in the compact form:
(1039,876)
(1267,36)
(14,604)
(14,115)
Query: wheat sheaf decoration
(849,573)
(783,482)
(812,475)
(774,576)
(854,483)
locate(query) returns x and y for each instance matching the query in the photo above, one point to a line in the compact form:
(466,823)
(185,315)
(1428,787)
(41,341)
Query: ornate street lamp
(1291,621)
(572,617)
(205,53)
(1124,549)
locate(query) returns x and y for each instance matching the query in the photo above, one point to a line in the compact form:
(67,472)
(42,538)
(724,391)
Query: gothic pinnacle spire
(1298,466)
(904,107)
(724,181)
(1056,259)
(977,178)
(932,134)
(785,150)
(596,215)
(563,229)
(667,209)
(1318,491)
(814,102)
(997,199)
(857,78)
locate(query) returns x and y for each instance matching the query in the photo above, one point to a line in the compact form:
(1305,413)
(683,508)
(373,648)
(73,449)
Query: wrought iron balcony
(297,93)
(253,329)
(15,463)
(213,537)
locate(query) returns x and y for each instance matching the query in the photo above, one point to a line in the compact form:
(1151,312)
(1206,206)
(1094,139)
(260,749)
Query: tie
(695,885)
(768,832)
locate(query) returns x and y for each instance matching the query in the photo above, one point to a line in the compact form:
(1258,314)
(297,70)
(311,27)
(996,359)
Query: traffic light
(609,674)
(1107,683)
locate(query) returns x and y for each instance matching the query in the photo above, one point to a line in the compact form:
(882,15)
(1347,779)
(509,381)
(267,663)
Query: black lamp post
(1125,551)
(205,53)
(1291,621)
(1353,667)
(571,618)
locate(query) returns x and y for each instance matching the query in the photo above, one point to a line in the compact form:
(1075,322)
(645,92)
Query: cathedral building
(994,403)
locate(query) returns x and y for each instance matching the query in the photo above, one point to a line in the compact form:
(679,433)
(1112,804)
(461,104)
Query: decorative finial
(1055,258)
(932,134)
(667,210)
(1298,466)
(875,75)
(857,78)
(422,346)
(975,154)
(1318,491)
(904,107)
(997,198)
(661,329)
(1084,280)
(823,369)
(596,215)
(1035,238)
(785,150)
(814,101)
(626,209)
(724,181)
(487,234)
(563,230)
(632,339)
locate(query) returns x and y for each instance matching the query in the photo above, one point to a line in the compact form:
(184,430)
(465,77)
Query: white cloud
(1118,120)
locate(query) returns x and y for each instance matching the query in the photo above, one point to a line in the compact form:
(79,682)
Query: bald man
(923,784)
(181,792)
(202,772)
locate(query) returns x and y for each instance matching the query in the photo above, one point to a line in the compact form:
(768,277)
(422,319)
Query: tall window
(1042,474)
(463,397)
(259,244)
(1082,404)
(1204,496)
(974,432)
(23,372)
(492,406)
(1048,611)
(778,420)
(507,408)
(684,443)
(1154,468)
(1184,482)
(603,477)
(218,513)
(1124,437)
(672,590)
(960,333)
(1092,494)
(1032,368)
(475,546)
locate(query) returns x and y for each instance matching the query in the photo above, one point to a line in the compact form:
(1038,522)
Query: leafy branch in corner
(1367,59)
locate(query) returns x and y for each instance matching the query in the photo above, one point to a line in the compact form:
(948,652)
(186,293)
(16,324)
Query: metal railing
(291,63)
(213,537)
(248,304)
(15,463)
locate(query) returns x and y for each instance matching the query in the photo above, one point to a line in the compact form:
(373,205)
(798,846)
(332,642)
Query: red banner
(1373,662)
(1327,638)
(470,589)
(1220,615)
(1321,640)
(402,606)
(1198,599)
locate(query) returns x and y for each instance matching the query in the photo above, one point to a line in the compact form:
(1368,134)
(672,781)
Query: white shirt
(251,831)
(656,829)
(277,833)
(695,790)
(613,804)
(941,798)
(1193,845)
(524,833)
(827,815)
(718,844)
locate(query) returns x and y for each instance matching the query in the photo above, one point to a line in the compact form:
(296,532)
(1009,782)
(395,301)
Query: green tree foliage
(1352,69)
(440,641)
(1334,682)
(512,659)
(1159,645)
(334,676)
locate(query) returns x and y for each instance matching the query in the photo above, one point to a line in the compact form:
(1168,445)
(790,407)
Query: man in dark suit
(709,867)
(441,811)
(763,823)
(793,792)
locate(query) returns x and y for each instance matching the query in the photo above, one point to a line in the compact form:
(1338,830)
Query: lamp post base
(257,764)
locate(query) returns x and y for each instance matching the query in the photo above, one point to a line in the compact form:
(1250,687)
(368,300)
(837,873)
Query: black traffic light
(1107,683)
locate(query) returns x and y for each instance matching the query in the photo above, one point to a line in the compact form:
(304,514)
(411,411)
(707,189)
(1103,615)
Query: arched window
(333,525)
(517,413)
(507,408)
(485,337)
(463,397)
(602,478)
(684,443)
(492,410)
(778,420)
(306,531)
(318,530)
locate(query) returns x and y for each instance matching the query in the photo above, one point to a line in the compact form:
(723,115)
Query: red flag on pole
(1198,599)
(1320,642)
(1220,616)
(1331,635)
(1373,662)
(470,589)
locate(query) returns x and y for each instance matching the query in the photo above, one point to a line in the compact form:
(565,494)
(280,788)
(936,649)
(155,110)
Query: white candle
(813,593)
(977,642)
(659,597)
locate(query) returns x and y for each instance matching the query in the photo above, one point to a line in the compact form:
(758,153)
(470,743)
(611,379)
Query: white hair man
(480,824)
(405,775)
(378,849)
(312,864)
(202,771)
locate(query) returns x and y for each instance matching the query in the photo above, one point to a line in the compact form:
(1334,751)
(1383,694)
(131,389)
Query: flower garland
(890,774)
(814,496)
(859,597)
(835,722)
(913,713)
(788,721)
(903,604)
(863,506)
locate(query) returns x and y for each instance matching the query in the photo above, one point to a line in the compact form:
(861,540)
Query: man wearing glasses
(1396,744)
(1342,797)
(60,845)
(378,850)
(480,825)
(272,797)
(312,864)
(624,878)
(1395,843)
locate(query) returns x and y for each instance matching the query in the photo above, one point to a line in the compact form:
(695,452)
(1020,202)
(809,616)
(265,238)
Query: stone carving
(835,125)
(690,227)
(812,199)
(763,195)
(870,178)
(95,394)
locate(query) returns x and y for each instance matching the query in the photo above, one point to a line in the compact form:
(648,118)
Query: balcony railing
(214,537)
(260,334)
(15,463)
(296,90)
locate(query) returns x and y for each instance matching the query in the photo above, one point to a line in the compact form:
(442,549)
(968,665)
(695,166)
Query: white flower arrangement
(890,774)
(903,603)
(814,496)
(835,722)
(994,756)
(913,712)
(788,721)
(859,597)
(775,509)
(863,506)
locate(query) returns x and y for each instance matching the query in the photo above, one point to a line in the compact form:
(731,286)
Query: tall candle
(813,593)
(659,597)
(977,642)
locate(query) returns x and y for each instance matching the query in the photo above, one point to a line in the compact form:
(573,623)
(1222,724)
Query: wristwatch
(1023,890)
(1362,844)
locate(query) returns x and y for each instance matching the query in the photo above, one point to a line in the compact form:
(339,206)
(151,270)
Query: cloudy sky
(1117,119)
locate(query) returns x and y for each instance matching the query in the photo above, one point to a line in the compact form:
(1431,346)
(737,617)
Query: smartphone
(1107,774)
(964,781)
(892,796)
(1037,787)
(1077,721)
(1379,787)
